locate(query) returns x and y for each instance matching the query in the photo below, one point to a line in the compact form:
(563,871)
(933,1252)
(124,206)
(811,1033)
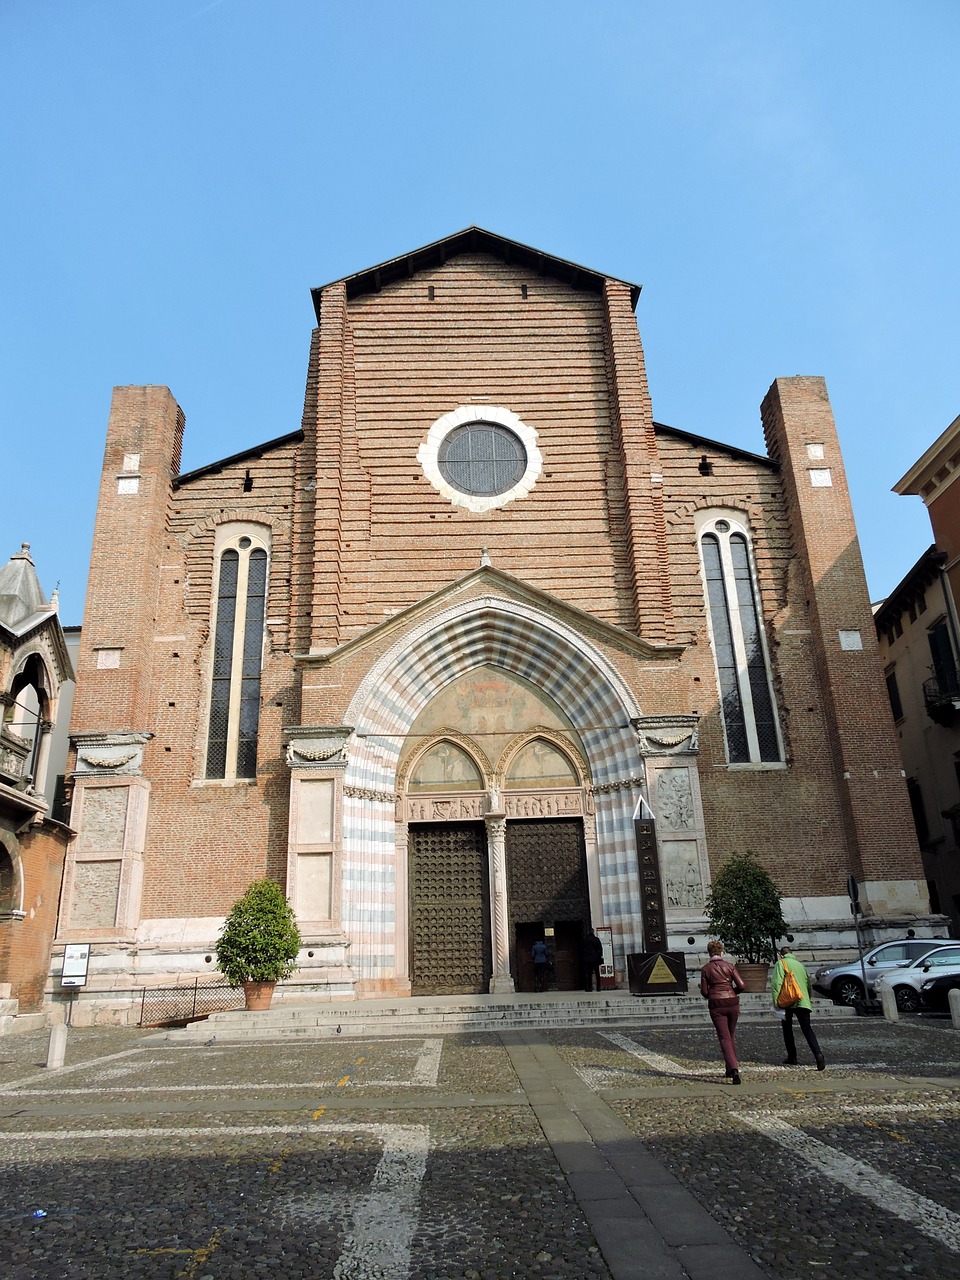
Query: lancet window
(746,697)
(239,612)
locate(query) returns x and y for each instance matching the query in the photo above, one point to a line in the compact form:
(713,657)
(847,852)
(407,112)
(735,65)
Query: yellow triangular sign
(661,972)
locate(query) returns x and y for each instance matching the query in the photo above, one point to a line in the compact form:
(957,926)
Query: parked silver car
(844,983)
(908,984)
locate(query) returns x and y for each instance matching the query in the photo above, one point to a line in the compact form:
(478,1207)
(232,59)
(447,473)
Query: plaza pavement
(588,1153)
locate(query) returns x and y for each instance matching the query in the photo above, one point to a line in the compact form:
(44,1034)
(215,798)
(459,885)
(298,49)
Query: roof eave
(471,240)
(256,451)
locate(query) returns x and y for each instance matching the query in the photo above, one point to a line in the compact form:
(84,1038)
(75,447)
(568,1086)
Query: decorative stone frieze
(109,754)
(367,793)
(621,784)
(473,806)
(667,735)
(319,747)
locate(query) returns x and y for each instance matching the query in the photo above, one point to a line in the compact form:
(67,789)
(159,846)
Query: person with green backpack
(791,993)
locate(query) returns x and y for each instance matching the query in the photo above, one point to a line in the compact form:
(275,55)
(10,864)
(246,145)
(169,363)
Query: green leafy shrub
(743,908)
(260,938)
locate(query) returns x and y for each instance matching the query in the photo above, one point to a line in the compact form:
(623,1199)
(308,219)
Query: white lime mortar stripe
(942,1225)
(423,1076)
(655,1060)
(427,1070)
(12,1085)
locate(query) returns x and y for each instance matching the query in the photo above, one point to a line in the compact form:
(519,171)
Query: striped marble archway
(501,633)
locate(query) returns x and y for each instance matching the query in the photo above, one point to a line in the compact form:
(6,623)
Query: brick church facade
(424,658)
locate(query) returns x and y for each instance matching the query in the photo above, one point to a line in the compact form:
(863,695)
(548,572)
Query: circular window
(482,458)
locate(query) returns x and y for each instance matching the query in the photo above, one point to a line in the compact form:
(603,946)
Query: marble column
(501,982)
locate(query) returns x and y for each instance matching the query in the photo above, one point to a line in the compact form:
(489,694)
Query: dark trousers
(724,1018)
(803,1017)
(591,971)
(540,976)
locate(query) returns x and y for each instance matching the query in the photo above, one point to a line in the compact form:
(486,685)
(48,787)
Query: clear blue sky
(782,179)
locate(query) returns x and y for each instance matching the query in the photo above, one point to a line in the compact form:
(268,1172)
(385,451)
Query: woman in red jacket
(720,986)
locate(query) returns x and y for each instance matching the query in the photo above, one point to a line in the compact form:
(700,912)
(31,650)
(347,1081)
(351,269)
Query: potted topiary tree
(743,908)
(259,943)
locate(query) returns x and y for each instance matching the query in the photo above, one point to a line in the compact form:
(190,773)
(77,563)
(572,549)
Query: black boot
(736,1078)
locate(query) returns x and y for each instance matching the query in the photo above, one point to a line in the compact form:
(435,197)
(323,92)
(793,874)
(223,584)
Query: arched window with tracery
(739,646)
(25,719)
(238,631)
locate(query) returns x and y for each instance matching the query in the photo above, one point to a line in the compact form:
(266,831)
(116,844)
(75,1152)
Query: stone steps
(450,1015)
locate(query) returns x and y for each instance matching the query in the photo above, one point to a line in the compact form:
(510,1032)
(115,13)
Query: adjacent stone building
(35,676)
(424,658)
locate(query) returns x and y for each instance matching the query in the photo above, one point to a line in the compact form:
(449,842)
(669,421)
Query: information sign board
(76,956)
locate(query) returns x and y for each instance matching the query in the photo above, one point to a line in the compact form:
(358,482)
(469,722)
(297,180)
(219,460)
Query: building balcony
(941,695)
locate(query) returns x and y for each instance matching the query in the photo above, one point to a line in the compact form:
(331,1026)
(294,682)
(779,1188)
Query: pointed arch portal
(520,641)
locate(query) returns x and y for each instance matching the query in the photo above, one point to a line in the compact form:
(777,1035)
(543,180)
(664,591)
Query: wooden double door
(451,949)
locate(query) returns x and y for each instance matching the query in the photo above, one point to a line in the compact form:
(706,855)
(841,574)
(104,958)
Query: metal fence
(170,1006)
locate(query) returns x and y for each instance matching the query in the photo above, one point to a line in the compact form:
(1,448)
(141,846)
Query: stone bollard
(57,1048)
(954,998)
(888,998)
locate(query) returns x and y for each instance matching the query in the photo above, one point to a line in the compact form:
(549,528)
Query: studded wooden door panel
(450,950)
(547,871)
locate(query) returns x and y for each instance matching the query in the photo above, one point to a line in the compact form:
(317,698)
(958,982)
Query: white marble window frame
(428,456)
(706,523)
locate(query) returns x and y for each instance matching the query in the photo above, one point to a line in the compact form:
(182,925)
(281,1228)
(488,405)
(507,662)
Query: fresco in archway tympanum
(491,708)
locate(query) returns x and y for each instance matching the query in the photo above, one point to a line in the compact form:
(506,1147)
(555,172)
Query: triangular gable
(506,585)
(716,446)
(472,240)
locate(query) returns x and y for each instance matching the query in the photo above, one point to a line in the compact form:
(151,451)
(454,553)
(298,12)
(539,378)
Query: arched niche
(445,767)
(539,764)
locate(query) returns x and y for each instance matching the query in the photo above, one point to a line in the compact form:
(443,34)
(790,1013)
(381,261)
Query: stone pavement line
(942,1225)
(384,1221)
(11,1086)
(647,1225)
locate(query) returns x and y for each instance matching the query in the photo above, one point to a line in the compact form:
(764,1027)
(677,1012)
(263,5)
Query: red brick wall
(25,944)
(861,746)
(408,361)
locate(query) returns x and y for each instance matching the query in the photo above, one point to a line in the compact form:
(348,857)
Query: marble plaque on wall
(313,886)
(315,811)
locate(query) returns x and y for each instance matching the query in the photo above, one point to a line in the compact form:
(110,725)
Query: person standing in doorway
(541,963)
(592,960)
(720,986)
(802,1007)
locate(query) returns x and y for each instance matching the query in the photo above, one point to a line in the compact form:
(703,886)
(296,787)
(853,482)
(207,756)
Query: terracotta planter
(754,976)
(257,995)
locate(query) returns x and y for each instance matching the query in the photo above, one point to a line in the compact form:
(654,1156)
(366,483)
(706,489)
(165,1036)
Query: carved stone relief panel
(682,881)
(675,799)
(446,808)
(548,804)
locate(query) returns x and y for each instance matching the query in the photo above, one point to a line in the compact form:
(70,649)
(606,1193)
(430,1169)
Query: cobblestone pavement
(457,1156)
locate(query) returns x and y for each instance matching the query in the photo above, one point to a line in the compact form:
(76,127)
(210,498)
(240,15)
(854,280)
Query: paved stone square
(620,1153)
